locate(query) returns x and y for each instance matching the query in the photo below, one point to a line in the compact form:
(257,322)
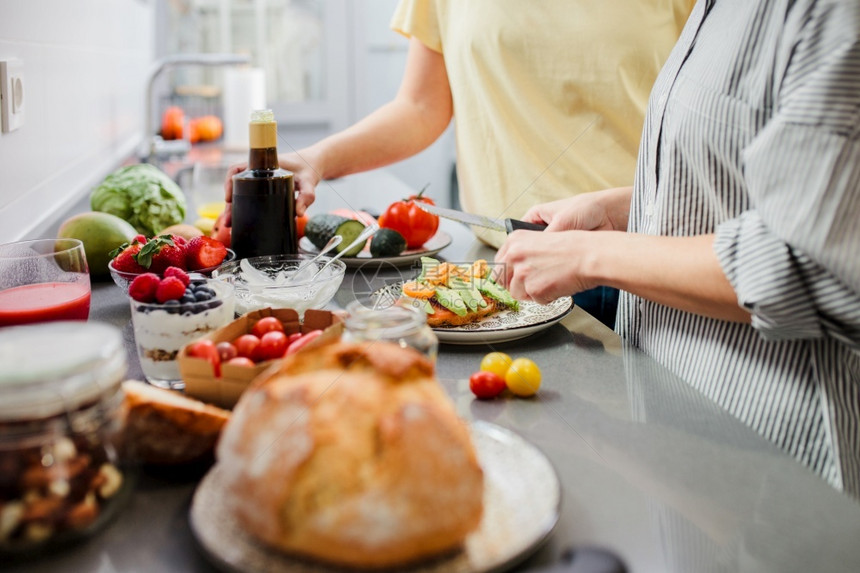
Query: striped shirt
(753,134)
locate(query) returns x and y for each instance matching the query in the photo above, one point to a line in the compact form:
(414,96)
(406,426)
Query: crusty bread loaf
(444,317)
(352,454)
(165,427)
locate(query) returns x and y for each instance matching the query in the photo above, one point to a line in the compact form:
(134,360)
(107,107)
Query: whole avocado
(100,233)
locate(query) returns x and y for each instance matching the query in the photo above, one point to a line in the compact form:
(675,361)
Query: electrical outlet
(12,94)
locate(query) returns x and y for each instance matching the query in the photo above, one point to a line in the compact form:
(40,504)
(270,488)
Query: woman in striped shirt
(738,247)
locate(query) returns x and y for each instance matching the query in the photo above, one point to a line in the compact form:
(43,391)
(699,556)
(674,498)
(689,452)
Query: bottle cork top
(263,129)
(262,116)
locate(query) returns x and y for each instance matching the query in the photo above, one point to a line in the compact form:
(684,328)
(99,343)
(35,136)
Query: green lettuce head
(143,195)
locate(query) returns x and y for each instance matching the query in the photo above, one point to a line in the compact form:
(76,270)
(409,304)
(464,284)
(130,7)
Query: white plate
(507,325)
(435,244)
(522,497)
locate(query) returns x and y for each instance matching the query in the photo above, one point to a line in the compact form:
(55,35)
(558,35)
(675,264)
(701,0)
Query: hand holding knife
(504,225)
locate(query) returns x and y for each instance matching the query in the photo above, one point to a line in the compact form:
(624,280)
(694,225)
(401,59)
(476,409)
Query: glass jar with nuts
(60,475)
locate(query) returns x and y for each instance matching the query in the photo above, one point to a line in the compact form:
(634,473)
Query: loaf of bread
(164,427)
(352,454)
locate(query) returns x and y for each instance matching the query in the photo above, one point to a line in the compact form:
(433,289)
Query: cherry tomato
(206,350)
(497,362)
(247,345)
(303,341)
(523,377)
(241,361)
(273,344)
(301,221)
(409,220)
(486,385)
(226,351)
(267,324)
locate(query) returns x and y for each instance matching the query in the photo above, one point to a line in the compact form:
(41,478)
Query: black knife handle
(512,225)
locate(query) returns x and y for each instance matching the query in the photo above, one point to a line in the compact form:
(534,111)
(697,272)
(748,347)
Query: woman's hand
(543,266)
(606,210)
(305,179)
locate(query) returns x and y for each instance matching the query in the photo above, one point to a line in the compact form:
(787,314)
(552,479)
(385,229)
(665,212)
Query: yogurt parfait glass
(162,329)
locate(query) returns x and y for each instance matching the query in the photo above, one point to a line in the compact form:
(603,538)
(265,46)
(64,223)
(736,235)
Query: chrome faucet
(154,145)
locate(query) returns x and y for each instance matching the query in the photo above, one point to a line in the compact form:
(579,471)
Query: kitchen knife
(504,225)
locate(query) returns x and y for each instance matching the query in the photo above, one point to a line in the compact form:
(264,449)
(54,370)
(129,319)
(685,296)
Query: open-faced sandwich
(453,294)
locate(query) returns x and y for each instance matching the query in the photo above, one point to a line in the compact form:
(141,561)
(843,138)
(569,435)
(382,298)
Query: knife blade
(504,225)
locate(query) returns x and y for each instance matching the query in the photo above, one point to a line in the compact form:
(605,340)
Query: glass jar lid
(56,367)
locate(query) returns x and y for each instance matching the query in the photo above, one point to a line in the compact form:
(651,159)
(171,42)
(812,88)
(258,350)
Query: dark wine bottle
(264,202)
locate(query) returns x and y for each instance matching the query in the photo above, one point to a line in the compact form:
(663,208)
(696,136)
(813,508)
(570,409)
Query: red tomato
(273,344)
(247,346)
(300,225)
(206,350)
(409,220)
(267,324)
(303,341)
(241,361)
(226,351)
(486,385)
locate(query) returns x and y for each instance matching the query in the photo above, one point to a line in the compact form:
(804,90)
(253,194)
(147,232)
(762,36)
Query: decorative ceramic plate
(521,509)
(507,325)
(502,326)
(435,244)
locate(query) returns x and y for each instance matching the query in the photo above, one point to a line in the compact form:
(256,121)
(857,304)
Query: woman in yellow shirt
(548,99)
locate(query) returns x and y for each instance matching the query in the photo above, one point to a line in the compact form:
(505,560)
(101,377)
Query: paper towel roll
(244,91)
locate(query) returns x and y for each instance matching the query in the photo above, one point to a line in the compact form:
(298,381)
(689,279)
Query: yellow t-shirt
(549,95)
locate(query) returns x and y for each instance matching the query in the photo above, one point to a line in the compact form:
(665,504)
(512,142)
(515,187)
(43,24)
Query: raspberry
(170,288)
(178,273)
(143,287)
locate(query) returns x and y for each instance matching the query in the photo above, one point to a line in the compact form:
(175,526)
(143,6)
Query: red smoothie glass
(43,280)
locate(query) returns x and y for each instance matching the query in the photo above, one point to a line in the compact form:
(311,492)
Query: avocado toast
(452,294)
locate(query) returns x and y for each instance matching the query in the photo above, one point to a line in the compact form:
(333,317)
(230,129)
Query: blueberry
(172,306)
(205,293)
(188,298)
(214,304)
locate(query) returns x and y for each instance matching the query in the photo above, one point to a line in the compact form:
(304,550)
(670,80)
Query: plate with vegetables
(464,305)
(386,246)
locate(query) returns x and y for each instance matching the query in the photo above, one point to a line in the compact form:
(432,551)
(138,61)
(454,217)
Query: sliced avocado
(451,300)
(470,295)
(427,263)
(498,292)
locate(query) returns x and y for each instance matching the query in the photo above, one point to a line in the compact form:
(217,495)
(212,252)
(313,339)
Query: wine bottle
(264,202)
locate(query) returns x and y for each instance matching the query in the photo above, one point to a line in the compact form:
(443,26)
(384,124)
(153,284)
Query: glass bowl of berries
(170,311)
(199,255)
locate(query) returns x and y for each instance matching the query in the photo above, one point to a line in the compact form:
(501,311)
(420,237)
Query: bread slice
(444,317)
(164,427)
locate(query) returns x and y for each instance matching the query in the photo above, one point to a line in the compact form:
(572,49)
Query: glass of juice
(43,280)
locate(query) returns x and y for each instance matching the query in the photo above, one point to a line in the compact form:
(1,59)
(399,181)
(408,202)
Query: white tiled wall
(85,68)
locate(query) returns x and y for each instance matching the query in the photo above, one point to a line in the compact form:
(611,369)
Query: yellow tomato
(496,362)
(523,377)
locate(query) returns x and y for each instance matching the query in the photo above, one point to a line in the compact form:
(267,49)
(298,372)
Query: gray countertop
(650,469)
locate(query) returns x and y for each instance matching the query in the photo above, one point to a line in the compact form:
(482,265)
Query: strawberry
(139,239)
(170,288)
(161,252)
(125,258)
(178,273)
(143,287)
(204,252)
